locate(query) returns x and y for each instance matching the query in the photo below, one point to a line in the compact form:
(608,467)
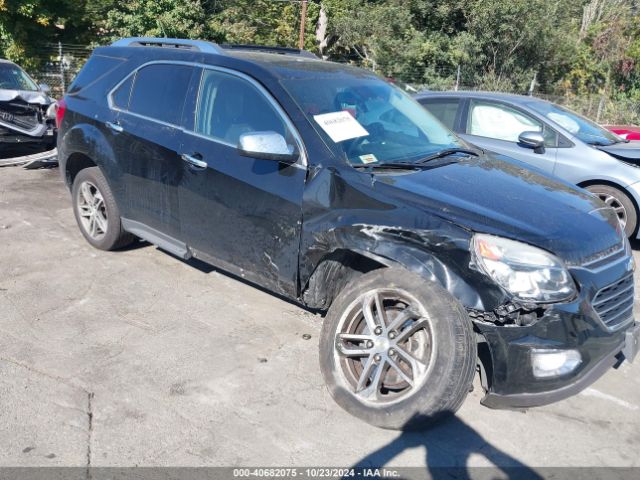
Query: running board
(159,239)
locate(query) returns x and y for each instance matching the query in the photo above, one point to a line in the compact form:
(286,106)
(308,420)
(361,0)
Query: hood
(491,195)
(626,151)
(28,96)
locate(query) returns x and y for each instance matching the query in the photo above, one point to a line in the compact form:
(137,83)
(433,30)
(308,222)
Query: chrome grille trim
(605,260)
(614,303)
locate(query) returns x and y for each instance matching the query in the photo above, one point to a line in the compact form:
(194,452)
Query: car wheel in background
(397,351)
(96,211)
(621,203)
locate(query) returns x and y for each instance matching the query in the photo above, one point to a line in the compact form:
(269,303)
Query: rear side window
(159,92)
(96,67)
(444,109)
(120,97)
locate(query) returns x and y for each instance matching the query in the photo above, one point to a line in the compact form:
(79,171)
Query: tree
(27,25)
(157,18)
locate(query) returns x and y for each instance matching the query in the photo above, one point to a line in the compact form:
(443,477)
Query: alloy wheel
(383,346)
(92,210)
(616,205)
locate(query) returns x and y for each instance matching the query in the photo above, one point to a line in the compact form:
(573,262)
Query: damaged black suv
(327,185)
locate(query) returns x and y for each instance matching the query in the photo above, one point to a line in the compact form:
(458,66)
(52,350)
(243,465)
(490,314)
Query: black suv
(329,186)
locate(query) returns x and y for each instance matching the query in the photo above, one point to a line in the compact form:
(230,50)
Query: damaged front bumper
(26,123)
(577,342)
(517,387)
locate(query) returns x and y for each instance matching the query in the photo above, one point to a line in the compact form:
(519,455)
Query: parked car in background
(628,132)
(550,138)
(333,188)
(27,113)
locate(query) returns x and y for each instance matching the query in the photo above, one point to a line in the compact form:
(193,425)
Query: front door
(243,212)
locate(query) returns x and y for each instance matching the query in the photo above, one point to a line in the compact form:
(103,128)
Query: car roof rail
(178,43)
(268,49)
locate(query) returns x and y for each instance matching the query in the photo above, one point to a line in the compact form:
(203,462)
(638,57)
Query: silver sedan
(550,138)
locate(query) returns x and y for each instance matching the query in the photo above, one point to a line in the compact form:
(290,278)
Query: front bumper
(561,389)
(506,351)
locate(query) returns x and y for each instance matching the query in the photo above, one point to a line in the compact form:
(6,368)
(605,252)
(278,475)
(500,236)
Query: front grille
(614,303)
(21,115)
(27,120)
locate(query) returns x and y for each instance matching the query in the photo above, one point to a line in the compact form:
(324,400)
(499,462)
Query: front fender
(440,256)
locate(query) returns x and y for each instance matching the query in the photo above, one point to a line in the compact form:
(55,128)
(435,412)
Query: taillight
(62,107)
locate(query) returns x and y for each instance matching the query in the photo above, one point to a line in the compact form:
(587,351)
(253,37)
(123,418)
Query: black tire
(619,201)
(451,355)
(114,236)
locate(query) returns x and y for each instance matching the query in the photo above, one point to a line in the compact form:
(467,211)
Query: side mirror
(44,88)
(266,146)
(533,140)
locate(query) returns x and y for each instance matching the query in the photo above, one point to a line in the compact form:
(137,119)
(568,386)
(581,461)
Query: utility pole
(62,79)
(458,78)
(534,81)
(303,21)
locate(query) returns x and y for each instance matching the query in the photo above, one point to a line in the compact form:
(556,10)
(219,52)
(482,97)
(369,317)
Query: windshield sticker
(368,158)
(340,126)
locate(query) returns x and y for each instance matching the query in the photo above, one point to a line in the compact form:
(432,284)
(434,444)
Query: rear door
(245,213)
(496,126)
(147,135)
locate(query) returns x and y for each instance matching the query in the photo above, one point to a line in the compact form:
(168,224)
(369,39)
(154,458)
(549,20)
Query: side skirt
(161,240)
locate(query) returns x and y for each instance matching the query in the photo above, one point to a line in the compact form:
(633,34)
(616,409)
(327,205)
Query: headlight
(527,272)
(51,111)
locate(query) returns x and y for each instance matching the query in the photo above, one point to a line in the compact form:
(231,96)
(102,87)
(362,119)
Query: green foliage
(582,47)
(157,18)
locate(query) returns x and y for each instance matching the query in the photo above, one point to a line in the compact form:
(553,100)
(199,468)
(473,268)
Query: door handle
(194,161)
(114,126)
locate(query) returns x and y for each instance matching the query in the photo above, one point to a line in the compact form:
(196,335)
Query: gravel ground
(137,358)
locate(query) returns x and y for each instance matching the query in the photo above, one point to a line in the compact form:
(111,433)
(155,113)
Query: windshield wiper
(446,152)
(390,165)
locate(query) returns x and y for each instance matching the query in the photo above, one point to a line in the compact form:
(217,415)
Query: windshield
(369,120)
(13,77)
(583,128)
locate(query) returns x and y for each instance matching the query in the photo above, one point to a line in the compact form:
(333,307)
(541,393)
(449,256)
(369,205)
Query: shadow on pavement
(447,448)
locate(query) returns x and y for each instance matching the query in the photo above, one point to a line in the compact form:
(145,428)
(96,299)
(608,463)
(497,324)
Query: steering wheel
(376,131)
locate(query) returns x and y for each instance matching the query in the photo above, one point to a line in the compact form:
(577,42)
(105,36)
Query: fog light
(553,363)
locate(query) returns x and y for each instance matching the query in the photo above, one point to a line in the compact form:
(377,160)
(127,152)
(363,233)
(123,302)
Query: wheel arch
(85,146)
(356,256)
(76,162)
(617,186)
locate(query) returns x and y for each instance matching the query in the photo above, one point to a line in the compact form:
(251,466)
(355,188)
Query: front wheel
(620,203)
(397,351)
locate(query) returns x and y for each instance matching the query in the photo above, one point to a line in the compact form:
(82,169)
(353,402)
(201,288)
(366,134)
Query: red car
(628,132)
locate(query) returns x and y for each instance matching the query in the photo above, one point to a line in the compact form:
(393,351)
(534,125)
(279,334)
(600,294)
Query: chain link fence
(65,60)
(62,63)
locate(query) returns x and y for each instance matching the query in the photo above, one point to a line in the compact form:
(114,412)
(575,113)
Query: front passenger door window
(229,107)
(501,122)
(496,127)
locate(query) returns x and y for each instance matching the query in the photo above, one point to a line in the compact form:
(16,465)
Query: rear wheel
(397,351)
(96,211)
(621,204)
